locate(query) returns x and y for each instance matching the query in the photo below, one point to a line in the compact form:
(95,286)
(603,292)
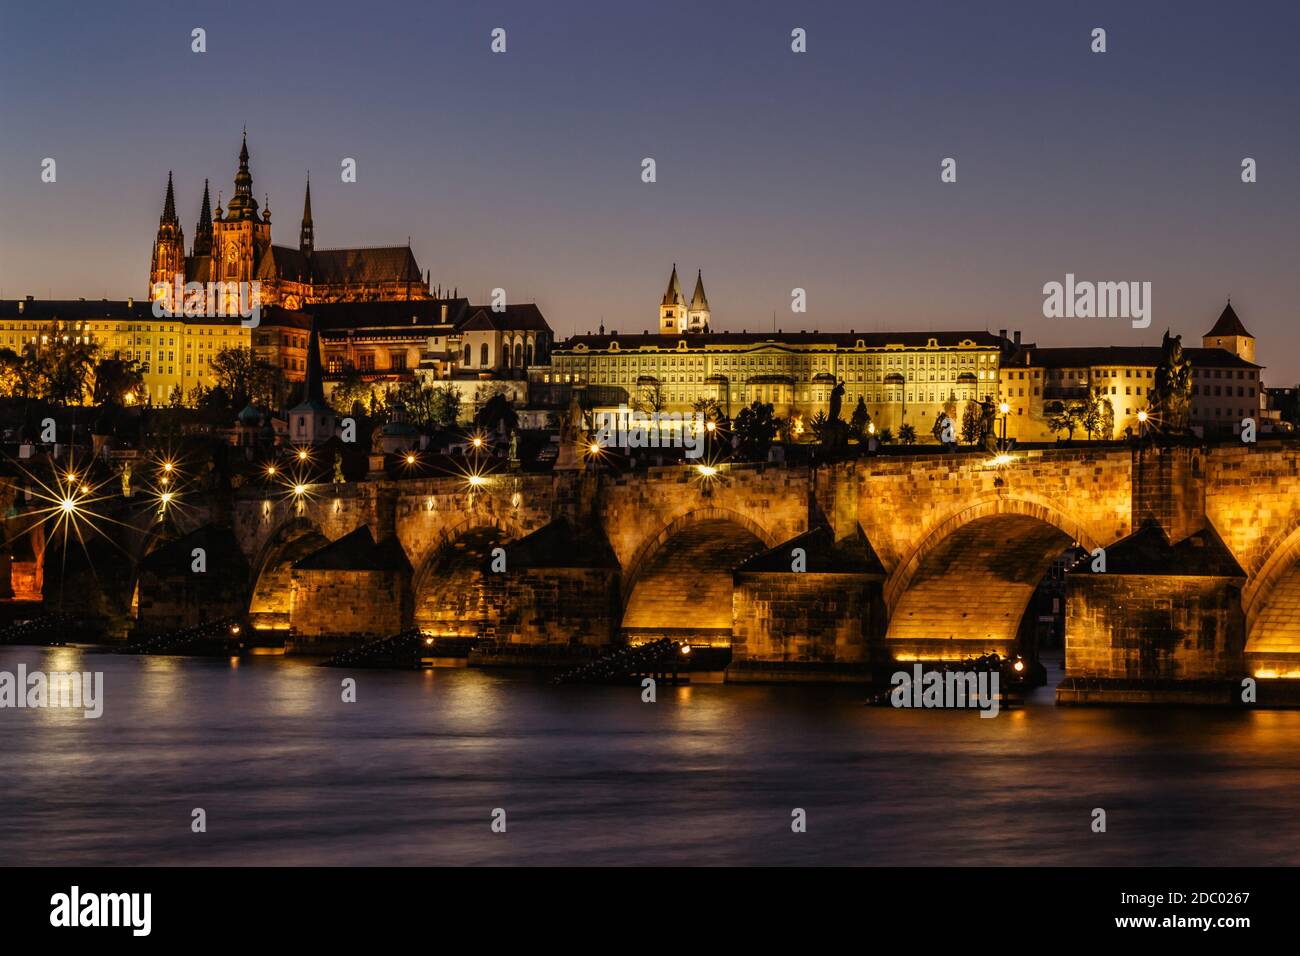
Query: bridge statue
(573,436)
(1173,388)
(988,433)
(837,401)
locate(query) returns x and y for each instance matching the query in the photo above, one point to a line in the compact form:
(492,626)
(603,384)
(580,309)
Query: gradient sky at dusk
(775,170)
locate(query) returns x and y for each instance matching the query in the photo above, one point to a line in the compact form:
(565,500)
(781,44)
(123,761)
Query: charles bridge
(1191,565)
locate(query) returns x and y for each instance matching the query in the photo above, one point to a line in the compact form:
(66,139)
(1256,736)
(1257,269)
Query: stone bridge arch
(450,594)
(966,583)
(1271,605)
(271,586)
(680,579)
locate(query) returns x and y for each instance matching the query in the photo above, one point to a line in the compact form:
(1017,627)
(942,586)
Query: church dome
(250,417)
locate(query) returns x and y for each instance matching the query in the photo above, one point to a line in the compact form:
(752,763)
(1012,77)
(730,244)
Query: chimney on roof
(1002,333)
(1017,334)
(130,302)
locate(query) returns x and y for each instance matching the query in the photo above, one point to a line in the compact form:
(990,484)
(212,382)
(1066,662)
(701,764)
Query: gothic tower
(698,315)
(241,236)
(672,310)
(203,233)
(168,249)
(307,235)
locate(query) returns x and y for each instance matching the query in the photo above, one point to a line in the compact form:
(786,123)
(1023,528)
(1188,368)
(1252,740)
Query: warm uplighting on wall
(1269,673)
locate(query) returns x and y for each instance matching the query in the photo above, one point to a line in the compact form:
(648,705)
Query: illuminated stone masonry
(832,571)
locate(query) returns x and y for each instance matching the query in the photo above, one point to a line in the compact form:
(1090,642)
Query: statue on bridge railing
(1172,396)
(988,432)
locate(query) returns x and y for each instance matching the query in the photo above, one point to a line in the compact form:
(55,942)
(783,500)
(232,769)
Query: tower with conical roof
(672,310)
(311,422)
(168,250)
(203,232)
(698,313)
(1229,334)
(307,235)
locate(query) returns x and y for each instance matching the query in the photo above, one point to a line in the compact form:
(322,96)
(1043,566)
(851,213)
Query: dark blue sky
(775,170)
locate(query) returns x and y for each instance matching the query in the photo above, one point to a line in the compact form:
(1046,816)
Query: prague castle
(233,245)
(903,378)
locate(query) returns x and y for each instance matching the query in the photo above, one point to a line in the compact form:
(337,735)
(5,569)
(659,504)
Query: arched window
(530,353)
(519,354)
(483,353)
(467,355)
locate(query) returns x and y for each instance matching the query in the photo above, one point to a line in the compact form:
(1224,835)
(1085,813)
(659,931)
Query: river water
(287,773)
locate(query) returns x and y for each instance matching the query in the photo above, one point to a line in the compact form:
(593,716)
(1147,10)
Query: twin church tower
(233,245)
(674,313)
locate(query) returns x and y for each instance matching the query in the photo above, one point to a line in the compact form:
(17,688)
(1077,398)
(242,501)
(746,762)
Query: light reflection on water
(411,772)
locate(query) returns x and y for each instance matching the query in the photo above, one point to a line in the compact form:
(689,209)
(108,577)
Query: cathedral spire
(699,300)
(698,315)
(242,204)
(307,237)
(168,217)
(203,233)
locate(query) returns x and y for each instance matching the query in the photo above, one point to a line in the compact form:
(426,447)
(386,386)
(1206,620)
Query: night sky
(775,169)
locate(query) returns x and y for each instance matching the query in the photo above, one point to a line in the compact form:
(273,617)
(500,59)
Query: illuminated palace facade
(903,377)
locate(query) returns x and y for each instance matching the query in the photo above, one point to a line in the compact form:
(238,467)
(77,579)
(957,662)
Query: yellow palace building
(174,352)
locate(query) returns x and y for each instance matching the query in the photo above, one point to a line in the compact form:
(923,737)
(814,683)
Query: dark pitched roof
(559,545)
(356,551)
(420,313)
(176,557)
(514,318)
(1149,551)
(850,555)
(379,264)
(1086,356)
(845,340)
(337,266)
(1228,324)
(93,310)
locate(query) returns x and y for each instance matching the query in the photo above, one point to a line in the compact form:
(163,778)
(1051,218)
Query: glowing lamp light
(686,650)
(270,470)
(711,426)
(72,476)
(1001,460)
(410,459)
(1004,408)
(167,467)
(302,455)
(300,490)
(1018,666)
(1142,416)
(595,448)
(871,428)
(707,471)
(477,481)
(477,442)
(68,505)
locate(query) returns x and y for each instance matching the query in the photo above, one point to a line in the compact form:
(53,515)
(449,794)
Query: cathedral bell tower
(672,310)
(168,250)
(240,236)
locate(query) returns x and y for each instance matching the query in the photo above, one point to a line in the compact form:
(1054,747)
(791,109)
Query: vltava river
(411,773)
